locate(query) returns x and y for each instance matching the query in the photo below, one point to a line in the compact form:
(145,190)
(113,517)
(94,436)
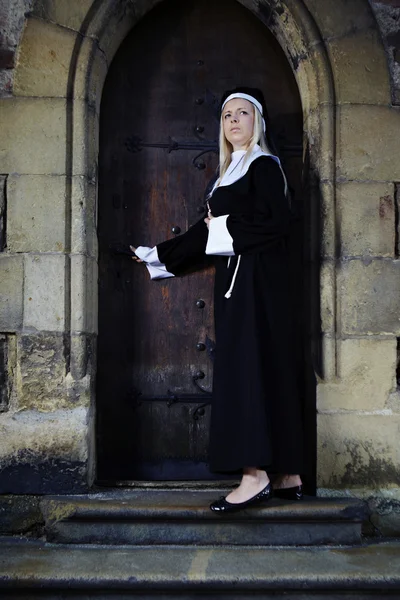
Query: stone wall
(349,84)
(387,13)
(48,265)
(12,20)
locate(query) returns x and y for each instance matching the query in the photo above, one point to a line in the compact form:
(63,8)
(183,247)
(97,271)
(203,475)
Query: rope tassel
(229,292)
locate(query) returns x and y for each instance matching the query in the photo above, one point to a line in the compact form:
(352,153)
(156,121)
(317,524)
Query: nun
(256,417)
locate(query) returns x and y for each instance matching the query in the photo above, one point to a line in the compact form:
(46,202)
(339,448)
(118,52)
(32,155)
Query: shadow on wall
(313,359)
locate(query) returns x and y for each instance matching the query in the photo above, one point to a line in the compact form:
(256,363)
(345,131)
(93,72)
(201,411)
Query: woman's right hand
(135,258)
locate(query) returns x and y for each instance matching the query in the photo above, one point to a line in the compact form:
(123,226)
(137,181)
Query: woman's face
(238,122)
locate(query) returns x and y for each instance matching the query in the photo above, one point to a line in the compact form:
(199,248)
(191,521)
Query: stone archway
(63,60)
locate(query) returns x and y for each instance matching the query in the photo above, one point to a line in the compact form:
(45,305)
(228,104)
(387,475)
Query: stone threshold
(35,565)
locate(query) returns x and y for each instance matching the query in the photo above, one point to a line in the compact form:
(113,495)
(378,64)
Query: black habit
(256,415)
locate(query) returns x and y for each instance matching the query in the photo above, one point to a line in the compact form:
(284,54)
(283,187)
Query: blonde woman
(256,424)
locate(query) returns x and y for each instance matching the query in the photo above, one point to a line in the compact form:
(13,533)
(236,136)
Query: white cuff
(220,241)
(156,269)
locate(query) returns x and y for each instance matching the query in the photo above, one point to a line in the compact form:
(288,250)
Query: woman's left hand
(208,219)
(134,257)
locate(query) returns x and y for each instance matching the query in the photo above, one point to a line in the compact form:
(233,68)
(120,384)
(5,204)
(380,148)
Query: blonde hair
(226,148)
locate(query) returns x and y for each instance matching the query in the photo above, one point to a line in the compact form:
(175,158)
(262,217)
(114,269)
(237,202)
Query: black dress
(256,414)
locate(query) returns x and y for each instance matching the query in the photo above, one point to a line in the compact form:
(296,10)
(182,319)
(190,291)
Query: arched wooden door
(158,135)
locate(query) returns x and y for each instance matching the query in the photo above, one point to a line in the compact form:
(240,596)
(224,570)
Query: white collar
(238,166)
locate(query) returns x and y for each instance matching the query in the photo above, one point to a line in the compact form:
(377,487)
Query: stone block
(360,68)
(11,292)
(385,512)
(61,433)
(3,212)
(366,369)
(120,20)
(369,292)
(44,452)
(20,515)
(34,135)
(46,57)
(367,219)
(328,286)
(36,213)
(356,450)
(70,14)
(83,291)
(92,71)
(8,369)
(83,226)
(326,226)
(85,141)
(44,60)
(368,147)
(328,358)
(41,373)
(44,291)
(340,17)
(320,126)
(6,83)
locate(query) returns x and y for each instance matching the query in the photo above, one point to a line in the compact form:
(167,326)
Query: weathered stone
(320,126)
(387,14)
(47,55)
(327,279)
(83,283)
(44,60)
(397,212)
(120,19)
(3,212)
(92,68)
(340,17)
(309,74)
(393,402)
(152,517)
(83,226)
(367,218)
(36,214)
(41,374)
(328,358)
(367,369)
(20,515)
(11,292)
(356,450)
(8,367)
(360,68)
(385,512)
(369,293)
(85,141)
(36,217)
(367,145)
(12,18)
(70,14)
(44,290)
(6,83)
(34,135)
(338,573)
(324,197)
(44,452)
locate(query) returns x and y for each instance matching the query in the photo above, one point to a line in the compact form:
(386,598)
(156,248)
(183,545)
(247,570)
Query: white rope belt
(229,292)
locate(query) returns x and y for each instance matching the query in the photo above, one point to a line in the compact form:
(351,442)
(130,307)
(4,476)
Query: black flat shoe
(223,506)
(292,493)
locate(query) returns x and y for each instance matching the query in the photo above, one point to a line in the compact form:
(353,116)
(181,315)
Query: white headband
(250,99)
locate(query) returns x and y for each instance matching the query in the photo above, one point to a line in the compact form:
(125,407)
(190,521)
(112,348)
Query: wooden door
(159,130)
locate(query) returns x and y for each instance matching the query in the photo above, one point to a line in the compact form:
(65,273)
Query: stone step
(141,517)
(34,570)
